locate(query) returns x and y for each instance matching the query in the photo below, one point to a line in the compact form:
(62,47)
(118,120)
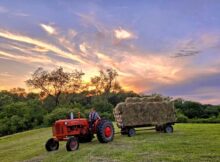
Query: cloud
(106,62)
(185,52)
(39,49)
(105,37)
(201,85)
(5,74)
(149,72)
(122,34)
(138,70)
(88,20)
(197,45)
(71,33)
(3,9)
(41,44)
(21,14)
(83,47)
(29,59)
(141,72)
(28,50)
(36,60)
(66,40)
(208,40)
(14,13)
(49,29)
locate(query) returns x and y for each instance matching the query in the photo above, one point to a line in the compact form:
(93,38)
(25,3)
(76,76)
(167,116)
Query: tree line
(57,82)
(61,92)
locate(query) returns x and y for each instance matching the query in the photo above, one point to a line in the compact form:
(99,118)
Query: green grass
(189,142)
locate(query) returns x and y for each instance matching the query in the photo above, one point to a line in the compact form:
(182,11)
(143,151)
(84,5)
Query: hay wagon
(143,112)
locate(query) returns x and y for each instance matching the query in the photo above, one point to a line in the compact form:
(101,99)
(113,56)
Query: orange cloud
(28,59)
(41,44)
(148,71)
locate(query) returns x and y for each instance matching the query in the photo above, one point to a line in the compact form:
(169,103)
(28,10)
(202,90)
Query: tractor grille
(58,129)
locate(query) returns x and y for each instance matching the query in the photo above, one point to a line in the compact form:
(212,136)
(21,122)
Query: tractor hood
(70,122)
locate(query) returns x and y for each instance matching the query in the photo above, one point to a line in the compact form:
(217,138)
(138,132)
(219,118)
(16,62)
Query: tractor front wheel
(52,145)
(72,144)
(105,131)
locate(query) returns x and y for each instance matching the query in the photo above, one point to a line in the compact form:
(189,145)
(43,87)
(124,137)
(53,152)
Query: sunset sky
(160,46)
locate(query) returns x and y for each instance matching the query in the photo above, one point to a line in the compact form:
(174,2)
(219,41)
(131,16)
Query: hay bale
(132,99)
(152,99)
(119,107)
(117,113)
(143,111)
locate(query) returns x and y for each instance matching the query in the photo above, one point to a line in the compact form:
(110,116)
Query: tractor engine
(70,127)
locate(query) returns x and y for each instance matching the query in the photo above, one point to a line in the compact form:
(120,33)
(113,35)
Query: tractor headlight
(66,123)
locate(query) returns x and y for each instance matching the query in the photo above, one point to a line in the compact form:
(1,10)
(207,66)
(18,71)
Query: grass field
(189,142)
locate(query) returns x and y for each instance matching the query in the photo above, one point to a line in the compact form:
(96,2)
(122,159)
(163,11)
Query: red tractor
(78,130)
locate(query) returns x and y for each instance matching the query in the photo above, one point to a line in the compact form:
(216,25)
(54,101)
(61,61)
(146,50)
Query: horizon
(171,47)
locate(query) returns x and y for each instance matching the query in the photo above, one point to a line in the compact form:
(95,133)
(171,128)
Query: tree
(5,98)
(20,115)
(18,91)
(106,82)
(55,82)
(211,111)
(193,109)
(76,85)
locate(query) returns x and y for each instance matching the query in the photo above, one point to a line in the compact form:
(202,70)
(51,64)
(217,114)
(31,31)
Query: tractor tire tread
(100,131)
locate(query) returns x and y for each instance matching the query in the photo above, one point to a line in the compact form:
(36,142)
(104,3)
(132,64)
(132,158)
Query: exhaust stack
(71,115)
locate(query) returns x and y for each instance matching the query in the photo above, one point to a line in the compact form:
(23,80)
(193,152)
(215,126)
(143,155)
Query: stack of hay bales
(150,110)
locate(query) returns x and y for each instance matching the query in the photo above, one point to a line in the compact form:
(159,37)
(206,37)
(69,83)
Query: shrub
(182,118)
(55,115)
(106,115)
(208,120)
(211,111)
(102,105)
(60,113)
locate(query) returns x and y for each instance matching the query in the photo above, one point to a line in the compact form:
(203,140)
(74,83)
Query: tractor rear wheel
(52,145)
(105,131)
(72,144)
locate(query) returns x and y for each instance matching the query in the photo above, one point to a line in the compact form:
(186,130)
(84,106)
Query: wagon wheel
(131,132)
(168,129)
